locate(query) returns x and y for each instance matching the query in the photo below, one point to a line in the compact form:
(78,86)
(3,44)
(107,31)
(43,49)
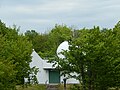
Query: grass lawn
(33,87)
(41,87)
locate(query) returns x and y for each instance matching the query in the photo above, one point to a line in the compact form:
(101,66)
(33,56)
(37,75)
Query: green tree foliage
(7,69)
(39,41)
(15,56)
(47,43)
(95,56)
(56,36)
(7,75)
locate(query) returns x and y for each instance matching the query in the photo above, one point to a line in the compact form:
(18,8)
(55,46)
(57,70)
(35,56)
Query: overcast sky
(42,15)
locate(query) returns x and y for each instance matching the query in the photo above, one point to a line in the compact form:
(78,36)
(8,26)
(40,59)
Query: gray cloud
(44,14)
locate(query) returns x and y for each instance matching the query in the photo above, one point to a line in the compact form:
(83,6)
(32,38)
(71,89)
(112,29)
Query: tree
(47,43)
(15,57)
(94,56)
(39,41)
(7,75)
(56,36)
(7,69)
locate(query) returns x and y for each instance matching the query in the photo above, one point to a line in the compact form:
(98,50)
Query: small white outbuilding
(47,74)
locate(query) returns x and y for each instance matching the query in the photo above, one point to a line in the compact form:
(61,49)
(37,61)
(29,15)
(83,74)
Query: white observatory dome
(63,46)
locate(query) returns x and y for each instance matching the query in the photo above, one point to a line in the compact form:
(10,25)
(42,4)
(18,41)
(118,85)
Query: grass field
(33,87)
(40,87)
(43,87)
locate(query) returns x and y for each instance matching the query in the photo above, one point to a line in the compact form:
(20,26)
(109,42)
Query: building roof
(38,61)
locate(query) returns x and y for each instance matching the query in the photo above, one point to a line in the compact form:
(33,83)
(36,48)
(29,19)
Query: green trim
(54,76)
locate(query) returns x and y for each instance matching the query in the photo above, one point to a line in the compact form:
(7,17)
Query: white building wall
(43,73)
(70,80)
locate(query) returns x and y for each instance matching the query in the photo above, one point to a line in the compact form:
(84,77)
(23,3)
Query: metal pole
(64,83)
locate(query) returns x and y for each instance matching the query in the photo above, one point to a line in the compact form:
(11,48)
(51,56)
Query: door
(54,76)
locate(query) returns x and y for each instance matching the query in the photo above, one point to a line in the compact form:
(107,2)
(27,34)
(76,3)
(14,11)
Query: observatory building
(47,74)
